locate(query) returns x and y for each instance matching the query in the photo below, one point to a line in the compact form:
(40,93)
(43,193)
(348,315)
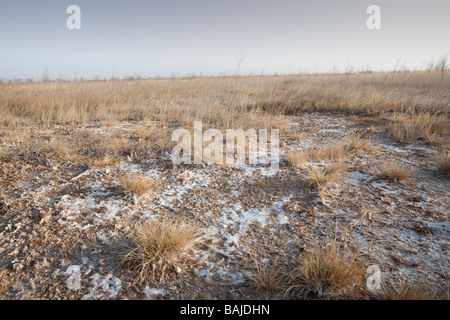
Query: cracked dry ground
(58,214)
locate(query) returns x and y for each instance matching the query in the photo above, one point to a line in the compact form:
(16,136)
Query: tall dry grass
(222,103)
(242,102)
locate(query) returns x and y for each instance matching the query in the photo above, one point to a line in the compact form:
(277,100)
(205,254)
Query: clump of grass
(123,146)
(296,158)
(325,270)
(111,123)
(147,134)
(54,149)
(267,277)
(160,247)
(443,163)
(137,184)
(418,126)
(393,171)
(318,177)
(339,167)
(404,291)
(328,152)
(357,143)
(105,161)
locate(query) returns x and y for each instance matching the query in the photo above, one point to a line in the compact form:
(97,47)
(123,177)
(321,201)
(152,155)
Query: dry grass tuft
(296,158)
(394,171)
(160,247)
(53,149)
(403,291)
(105,161)
(137,184)
(339,167)
(357,143)
(318,177)
(111,123)
(332,151)
(267,277)
(418,127)
(326,270)
(443,162)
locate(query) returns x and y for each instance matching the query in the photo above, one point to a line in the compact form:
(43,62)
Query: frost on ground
(74,215)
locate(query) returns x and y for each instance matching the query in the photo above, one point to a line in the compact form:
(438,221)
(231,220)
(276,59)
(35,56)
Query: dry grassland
(85,170)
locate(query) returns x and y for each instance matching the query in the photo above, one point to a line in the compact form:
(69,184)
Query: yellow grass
(357,143)
(325,270)
(443,162)
(137,184)
(403,291)
(105,161)
(297,158)
(221,102)
(416,103)
(418,126)
(160,247)
(318,177)
(268,277)
(394,171)
(327,152)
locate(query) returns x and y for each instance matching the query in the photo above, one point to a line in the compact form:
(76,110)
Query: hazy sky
(165,37)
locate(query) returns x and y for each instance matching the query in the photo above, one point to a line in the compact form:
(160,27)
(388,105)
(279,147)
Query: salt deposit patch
(102,286)
(150,292)
(356,178)
(239,219)
(384,186)
(391,147)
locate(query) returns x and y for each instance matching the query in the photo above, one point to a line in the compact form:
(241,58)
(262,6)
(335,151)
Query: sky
(217,37)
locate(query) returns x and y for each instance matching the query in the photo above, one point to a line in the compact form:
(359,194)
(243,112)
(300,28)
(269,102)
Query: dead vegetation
(161,247)
(328,152)
(414,127)
(402,290)
(357,143)
(394,171)
(296,158)
(137,184)
(325,271)
(443,162)
(227,102)
(332,151)
(97,124)
(268,277)
(319,177)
